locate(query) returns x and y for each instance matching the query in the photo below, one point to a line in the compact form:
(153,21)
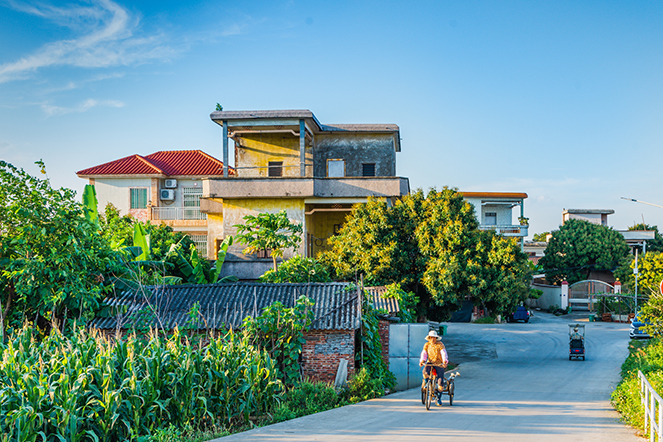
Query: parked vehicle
(637,329)
(577,341)
(521,314)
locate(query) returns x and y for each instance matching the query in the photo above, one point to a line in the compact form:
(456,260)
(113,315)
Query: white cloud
(106,39)
(85,106)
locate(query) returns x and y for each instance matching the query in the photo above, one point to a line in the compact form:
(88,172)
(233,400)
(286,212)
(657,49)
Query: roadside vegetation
(646,356)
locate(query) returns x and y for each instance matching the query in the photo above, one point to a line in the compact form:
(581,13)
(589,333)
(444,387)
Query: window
(368,169)
(275,168)
(491,218)
(191,199)
(192,196)
(335,168)
(138,198)
(200,242)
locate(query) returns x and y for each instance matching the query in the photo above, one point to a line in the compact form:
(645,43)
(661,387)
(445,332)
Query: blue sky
(562,100)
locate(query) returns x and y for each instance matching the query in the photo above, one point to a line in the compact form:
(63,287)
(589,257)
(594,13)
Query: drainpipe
(302,148)
(225,148)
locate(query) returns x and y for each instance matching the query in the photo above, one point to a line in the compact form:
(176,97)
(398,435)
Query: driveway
(516,384)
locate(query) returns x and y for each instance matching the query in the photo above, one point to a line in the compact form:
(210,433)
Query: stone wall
(324,350)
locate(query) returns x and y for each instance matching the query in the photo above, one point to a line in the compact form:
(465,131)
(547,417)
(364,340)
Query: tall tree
(579,247)
(52,261)
(269,231)
(431,245)
(541,237)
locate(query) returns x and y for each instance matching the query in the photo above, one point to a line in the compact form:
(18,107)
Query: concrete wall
(320,225)
(355,149)
(551,296)
(323,351)
(255,151)
(116,191)
(405,344)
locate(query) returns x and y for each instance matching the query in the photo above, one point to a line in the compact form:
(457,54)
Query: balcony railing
(177,213)
(507,230)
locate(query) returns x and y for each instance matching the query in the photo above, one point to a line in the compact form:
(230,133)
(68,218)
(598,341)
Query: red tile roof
(163,163)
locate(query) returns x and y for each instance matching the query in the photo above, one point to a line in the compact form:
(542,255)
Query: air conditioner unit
(167,195)
(170,184)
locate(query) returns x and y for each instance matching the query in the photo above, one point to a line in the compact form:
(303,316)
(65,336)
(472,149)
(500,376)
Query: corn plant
(88,388)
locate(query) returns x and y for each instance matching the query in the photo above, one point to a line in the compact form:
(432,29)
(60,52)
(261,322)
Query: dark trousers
(439,369)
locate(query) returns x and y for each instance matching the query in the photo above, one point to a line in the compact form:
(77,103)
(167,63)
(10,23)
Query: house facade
(495,211)
(163,187)
(288,160)
(595,216)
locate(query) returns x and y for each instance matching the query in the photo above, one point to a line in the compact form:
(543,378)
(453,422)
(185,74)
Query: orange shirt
(435,352)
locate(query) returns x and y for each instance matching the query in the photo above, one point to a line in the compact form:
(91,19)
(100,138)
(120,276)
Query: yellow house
(288,160)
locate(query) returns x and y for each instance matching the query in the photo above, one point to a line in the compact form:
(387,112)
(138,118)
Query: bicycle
(429,389)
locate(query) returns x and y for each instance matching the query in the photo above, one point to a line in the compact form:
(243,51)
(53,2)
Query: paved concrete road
(516,384)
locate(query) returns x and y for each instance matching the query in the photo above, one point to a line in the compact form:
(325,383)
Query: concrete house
(163,187)
(596,216)
(495,211)
(288,160)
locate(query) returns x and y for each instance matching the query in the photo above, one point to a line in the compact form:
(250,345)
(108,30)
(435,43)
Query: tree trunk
(275,266)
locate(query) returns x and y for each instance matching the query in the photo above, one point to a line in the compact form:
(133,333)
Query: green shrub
(307,398)
(407,302)
(362,387)
(485,320)
(298,269)
(646,356)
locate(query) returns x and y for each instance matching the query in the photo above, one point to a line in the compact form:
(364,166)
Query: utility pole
(635,272)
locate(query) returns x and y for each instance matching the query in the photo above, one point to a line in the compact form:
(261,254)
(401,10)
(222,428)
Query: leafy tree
(579,247)
(541,237)
(52,261)
(652,313)
(650,272)
(431,245)
(298,269)
(269,231)
(652,246)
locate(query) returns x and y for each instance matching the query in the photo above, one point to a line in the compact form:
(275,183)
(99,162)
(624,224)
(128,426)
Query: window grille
(138,198)
(200,242)
(275,168)
(192,196)
(368,169)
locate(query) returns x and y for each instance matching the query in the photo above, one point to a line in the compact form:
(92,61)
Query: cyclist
(435,353)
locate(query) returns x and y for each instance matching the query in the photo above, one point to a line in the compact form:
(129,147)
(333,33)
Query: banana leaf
(90,204)
(142,240)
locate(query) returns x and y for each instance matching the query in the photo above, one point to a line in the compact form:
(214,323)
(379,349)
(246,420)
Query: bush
(307,398)
(648,358)
(407,302)
(298,269)
(485,320)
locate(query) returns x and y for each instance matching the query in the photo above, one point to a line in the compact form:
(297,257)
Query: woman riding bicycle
(436,355)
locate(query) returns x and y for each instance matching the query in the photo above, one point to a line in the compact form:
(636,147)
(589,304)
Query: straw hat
(433,334)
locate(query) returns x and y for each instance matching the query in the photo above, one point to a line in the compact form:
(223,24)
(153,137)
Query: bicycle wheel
(423,394)
(429,394)
(452,389)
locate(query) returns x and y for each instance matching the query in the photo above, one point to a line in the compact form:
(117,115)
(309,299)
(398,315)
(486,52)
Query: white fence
(653,409)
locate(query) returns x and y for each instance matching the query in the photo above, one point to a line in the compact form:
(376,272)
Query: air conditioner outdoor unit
(167,194)
(170,184)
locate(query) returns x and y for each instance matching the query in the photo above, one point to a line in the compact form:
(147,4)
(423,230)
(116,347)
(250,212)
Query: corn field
(88,388)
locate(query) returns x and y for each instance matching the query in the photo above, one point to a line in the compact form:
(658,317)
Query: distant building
(535,250)
(494,211)
(595,216)
(163,187)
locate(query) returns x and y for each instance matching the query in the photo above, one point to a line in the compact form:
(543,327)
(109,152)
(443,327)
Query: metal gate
(405,344)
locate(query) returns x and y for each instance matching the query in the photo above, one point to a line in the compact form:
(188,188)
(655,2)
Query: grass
(646,356)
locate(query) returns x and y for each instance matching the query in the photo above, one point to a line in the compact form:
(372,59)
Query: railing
(652,403)
(177,213)
(507,230)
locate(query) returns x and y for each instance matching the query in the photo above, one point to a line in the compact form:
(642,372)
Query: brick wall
(324,350)
(384,338)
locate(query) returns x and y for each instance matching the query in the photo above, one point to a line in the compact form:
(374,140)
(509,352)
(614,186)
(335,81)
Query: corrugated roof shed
(226,305)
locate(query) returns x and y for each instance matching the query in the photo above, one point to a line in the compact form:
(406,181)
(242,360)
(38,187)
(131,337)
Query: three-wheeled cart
(577,341)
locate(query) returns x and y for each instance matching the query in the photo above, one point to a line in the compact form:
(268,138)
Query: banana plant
(190,264)
(90,204)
